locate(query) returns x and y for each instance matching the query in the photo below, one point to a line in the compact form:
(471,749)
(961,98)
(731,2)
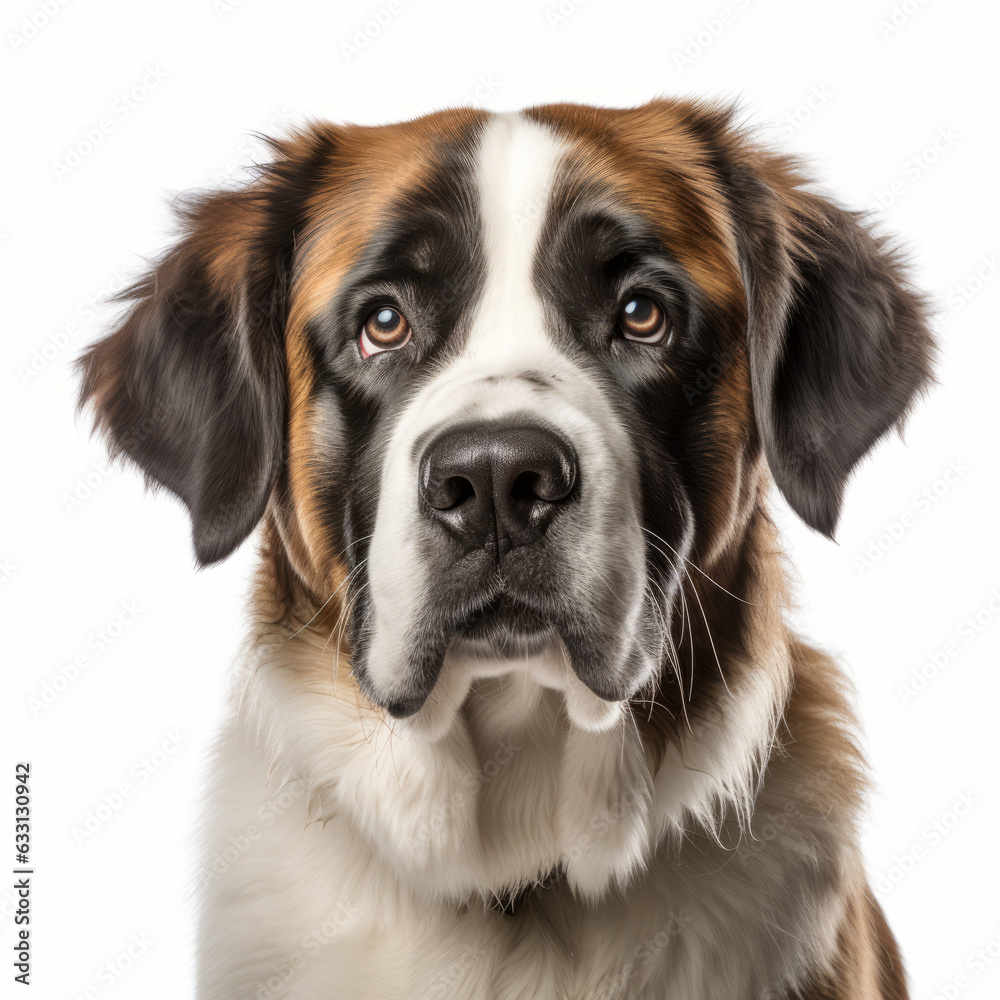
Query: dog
(520,714)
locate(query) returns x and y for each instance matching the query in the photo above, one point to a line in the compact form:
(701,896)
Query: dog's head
(502,378)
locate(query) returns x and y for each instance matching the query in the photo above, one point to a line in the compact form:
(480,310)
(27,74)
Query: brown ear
(190,386)
(838,338)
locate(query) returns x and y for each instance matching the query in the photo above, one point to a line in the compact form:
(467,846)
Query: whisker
(635,725)
(708,632)
(689,619)
(341,628)
(652,702)
(334,594)
(673,653)
(698,568)
(348,606)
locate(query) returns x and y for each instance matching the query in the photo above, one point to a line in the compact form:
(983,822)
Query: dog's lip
(403,708)
(503,626)
(509,613)
(500,627)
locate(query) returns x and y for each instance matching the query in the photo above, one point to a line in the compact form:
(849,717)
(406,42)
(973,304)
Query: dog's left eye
(644,320)
(385,329)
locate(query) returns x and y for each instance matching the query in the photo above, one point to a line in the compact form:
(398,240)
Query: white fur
(372,879)
(350,856)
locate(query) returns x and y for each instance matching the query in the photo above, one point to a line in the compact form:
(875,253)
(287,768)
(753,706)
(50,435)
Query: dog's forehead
(497,179)
(371,172)
(657,164)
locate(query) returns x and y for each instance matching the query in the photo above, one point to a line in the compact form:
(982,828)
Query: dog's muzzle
(515,542)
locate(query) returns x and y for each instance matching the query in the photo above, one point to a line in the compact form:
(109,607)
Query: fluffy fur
(595,765)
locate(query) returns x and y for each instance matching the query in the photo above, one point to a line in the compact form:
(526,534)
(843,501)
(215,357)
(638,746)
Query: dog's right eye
(644,321)
(385,329)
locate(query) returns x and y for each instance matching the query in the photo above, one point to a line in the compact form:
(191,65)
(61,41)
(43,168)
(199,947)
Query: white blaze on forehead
(518,163)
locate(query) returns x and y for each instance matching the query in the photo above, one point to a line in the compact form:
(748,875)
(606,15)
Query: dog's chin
(506,637)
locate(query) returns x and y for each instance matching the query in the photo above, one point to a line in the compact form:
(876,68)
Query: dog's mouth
(504,627)
(500,626)
(475,618)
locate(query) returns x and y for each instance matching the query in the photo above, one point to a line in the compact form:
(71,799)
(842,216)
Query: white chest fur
(362,868)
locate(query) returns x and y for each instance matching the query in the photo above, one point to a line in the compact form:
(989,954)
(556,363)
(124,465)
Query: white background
(884,88)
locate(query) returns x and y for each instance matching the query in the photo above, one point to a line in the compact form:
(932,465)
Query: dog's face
(515,332)
(501,379)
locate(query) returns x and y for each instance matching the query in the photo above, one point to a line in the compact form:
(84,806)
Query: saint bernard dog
(521,715)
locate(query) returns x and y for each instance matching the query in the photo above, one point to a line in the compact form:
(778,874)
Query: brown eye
(385,329)
(643,320)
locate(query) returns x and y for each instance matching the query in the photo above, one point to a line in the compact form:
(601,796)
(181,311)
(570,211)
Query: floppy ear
(839,345)
(190,386)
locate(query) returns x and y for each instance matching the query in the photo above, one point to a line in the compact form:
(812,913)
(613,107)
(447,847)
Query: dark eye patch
(588,263)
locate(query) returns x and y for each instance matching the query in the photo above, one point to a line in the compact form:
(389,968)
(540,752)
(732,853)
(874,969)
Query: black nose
(497,486)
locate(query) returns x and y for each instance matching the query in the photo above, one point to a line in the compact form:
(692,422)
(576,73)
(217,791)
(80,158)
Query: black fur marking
(856,352)
(191,386)
(838,340)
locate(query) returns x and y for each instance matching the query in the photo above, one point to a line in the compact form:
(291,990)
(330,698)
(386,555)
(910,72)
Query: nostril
(526,487)
(449,493)
(550,477)
(550,486)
